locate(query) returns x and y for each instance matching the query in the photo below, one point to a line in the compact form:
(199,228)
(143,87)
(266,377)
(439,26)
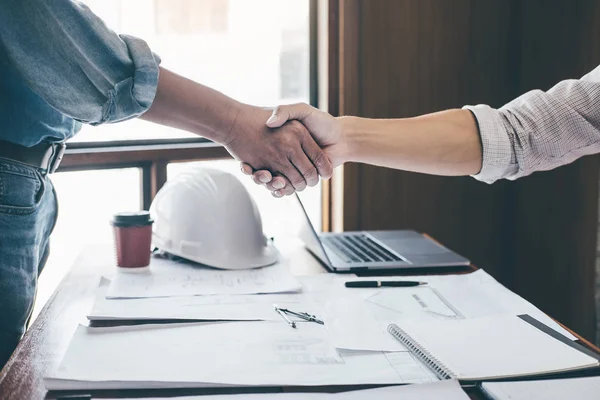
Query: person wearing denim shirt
(61,66)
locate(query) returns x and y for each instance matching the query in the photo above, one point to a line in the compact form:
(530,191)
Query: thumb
(282,114)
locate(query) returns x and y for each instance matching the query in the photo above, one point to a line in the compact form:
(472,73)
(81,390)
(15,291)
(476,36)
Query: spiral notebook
(489,348)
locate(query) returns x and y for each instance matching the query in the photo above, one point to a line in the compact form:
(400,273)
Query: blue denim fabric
(62,66)
(28,211)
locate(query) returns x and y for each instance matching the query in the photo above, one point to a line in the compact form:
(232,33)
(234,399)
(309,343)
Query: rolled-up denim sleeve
(71,59)
(540,130)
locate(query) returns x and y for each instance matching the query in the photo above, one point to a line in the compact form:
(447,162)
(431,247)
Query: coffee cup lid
(136,218)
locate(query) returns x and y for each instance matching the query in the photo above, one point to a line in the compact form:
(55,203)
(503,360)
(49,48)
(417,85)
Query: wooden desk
(46,341)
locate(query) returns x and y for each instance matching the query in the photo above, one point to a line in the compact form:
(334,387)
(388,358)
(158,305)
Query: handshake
(287,149)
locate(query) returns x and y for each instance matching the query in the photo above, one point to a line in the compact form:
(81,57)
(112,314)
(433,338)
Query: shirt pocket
(21,188)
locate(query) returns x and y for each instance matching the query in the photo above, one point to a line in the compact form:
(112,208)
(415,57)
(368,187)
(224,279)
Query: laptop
(377,250)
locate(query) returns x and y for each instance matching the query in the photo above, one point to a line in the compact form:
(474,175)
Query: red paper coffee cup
(133,237)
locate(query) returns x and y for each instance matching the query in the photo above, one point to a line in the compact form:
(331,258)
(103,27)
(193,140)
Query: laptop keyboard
(358,249)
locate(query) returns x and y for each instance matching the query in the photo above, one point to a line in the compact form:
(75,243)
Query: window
(185,17)
(87,200)
(256,51)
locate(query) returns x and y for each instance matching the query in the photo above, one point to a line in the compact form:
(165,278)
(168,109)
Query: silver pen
(280,311)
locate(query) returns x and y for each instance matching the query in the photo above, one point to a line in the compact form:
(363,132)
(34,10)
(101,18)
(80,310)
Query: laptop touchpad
(406,246)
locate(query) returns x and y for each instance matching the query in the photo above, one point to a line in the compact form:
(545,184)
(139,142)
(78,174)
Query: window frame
(152,156)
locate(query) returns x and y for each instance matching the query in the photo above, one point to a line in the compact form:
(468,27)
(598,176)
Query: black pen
(375,284)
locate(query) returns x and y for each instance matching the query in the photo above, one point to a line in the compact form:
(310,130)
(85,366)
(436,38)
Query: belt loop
(57,156)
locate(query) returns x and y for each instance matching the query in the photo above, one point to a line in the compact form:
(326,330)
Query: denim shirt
(60,66)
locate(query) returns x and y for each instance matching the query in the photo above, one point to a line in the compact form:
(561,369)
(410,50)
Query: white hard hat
(207,216)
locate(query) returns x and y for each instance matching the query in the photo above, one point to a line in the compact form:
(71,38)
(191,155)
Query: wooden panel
(350,103)
(154,177)
(97,158)
(557,212)
(555,243)
(417,57)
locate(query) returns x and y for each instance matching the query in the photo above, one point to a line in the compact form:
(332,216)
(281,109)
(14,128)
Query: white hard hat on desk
(207,216)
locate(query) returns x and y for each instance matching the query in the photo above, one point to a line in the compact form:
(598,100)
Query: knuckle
(297,127)
(310,173)
(281,160)
(295,124)
(298,182)
(291,139)
(319,159)
(283,140)
(290,154)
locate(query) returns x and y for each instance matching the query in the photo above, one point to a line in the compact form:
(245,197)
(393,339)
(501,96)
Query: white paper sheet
(352,326)
(166,278)
(481,296)
(443,390)
(358,318)
(215,307)
(552,389)
(221,354)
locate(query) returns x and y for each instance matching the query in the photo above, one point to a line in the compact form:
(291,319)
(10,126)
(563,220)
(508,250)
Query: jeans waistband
(45,156)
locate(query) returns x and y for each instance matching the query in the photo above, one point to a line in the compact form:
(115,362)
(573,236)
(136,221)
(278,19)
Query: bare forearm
(184,104)
(289,151)
(444,143)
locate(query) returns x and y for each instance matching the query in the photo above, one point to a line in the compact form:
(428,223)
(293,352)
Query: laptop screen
(309,236)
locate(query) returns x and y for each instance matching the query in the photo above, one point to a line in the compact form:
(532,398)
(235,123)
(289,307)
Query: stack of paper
(446,390)
(210,308)
(358,318)
(223,354)
(352,348)
(184,291)
(167,278)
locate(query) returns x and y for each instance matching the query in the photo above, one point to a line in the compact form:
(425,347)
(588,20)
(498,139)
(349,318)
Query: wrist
(233,124)
(350,138)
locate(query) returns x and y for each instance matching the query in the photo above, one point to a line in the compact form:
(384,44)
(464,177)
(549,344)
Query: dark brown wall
(400,58)
(556,212)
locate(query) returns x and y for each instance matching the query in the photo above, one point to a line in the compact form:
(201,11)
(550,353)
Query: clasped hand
(298,144)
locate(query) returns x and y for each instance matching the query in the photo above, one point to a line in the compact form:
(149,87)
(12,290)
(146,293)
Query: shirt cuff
(496,145)
(133,96)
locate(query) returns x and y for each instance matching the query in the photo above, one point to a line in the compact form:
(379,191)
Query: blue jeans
(28,211)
